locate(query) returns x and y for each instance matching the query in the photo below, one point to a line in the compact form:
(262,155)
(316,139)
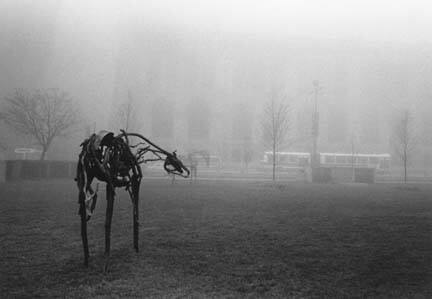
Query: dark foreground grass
(221,240)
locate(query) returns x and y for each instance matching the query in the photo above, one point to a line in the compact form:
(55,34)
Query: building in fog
(212,90)
(197,90)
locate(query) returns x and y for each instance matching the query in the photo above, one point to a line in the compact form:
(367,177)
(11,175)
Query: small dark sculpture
(115,161)
(193,161)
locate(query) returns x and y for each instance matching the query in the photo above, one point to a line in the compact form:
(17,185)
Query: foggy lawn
(213,239)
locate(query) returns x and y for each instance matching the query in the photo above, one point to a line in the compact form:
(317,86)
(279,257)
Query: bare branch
(43,114)
(276,123)
(403,138)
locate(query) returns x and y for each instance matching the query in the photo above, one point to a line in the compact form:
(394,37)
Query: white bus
(301,159)
(377,161)
(287,158)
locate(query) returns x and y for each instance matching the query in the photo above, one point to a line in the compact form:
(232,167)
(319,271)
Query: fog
(199,72)
(223,149)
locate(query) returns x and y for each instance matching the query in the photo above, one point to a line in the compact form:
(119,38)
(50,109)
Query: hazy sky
(380,20)
(401,21)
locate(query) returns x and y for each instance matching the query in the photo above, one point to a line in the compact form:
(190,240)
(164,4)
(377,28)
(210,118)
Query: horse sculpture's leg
(83,215)
(108,217)
(135,202)
(82,211)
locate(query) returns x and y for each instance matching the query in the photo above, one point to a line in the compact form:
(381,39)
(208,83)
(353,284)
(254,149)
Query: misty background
(198,73)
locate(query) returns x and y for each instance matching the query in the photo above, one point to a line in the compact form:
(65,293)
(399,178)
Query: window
(373,160)
(385,164)
(162,119)
(337,124)
(236,155)
(362,160)
(198,119)
(329,159)
(370,132)
(293,158)
(241,122)
(340,159)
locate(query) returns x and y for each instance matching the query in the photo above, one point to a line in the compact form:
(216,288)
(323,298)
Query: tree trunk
(274,162)
(43,154)
(135,202)
(405,165)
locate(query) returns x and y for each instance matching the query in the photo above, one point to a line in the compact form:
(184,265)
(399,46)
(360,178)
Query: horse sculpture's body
(115,161)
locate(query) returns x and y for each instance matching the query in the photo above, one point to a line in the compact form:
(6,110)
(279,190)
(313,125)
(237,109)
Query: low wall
(345,174)
(2,171)
(11,170)
(31,169)
(342,174)
(365,175)
(322,175)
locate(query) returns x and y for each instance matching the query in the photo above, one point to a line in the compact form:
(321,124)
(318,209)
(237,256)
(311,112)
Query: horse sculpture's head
(174,165)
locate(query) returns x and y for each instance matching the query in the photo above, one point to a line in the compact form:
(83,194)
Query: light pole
(315,131)
(354,139)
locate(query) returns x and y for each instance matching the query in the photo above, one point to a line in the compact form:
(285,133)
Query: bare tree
(276,124)
(42,114)
(124,114)
(403,139)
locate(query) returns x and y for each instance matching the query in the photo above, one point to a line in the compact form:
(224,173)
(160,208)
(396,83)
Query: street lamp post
(315,163)
(354,137)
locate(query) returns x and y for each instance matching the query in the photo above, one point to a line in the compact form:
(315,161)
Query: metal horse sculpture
(115,161)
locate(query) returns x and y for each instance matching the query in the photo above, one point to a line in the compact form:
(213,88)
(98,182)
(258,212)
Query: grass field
(221,239)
